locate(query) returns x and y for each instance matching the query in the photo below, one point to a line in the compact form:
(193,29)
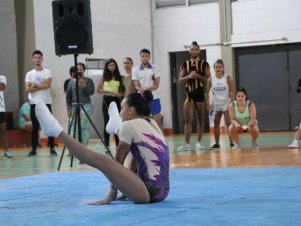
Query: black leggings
(105,107)
(36,127)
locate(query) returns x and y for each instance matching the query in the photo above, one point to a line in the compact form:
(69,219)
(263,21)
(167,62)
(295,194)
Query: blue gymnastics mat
(255,196)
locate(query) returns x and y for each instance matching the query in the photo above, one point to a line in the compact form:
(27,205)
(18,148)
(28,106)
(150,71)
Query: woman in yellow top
(111,85)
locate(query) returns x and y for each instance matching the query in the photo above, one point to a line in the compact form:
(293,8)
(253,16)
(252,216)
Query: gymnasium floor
(246,187)
(273,152)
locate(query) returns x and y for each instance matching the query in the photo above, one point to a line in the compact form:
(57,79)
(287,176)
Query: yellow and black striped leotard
(195,91)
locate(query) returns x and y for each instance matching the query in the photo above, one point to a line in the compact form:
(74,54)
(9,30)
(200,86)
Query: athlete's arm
(156,84)
(182,77)
(208,87)
(138,86)
(29,87)
(232,116)
(252,109)
(122,151)
(231,88)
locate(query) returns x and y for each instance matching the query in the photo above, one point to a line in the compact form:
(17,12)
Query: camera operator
(86,89)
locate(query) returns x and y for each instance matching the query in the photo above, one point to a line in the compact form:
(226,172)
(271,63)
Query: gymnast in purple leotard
(148,179)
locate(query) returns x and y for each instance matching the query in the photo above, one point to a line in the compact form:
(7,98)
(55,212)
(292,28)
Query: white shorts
(221,106)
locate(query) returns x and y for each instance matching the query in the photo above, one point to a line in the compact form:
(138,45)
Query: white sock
(114,122)
(50,126)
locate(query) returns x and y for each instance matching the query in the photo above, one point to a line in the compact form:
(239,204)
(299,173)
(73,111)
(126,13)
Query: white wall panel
(256,21)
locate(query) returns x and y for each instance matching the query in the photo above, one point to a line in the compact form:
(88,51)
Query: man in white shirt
(146,76)
(37,84)
(3,135)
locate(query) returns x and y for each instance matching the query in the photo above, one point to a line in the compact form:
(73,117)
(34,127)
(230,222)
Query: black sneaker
(53,153)
(216,146)
(231,145)
(32,153)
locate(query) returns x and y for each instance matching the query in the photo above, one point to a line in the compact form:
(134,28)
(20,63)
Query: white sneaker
(295,144)
(199,146)
(184,147)
(235,147)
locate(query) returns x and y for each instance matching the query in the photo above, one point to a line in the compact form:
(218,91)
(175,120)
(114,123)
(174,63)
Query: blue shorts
(155,106)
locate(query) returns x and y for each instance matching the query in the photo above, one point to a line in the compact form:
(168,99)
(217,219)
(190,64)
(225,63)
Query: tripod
(77,107)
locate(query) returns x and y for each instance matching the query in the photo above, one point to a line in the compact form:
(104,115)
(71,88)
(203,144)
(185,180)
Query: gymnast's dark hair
(140,101)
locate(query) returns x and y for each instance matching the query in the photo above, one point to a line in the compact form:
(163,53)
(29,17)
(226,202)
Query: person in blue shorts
(146,76)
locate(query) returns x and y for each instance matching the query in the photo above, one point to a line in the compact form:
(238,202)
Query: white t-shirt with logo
(38,77)
(2,103)
(146,77)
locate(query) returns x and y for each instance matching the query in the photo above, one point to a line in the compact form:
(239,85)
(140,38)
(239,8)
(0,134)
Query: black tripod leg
(108,151)
(69,131)
(76,113)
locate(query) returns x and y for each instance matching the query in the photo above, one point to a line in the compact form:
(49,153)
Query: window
(172,3)
(94,63)
(169,3)
(196,2)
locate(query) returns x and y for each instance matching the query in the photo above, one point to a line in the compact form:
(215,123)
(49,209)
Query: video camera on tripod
(79,75)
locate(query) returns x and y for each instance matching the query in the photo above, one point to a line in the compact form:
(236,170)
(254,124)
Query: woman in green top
(111,85)
(242,114)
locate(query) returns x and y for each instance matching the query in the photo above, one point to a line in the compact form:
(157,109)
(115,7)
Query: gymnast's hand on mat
(50,126)
(111,196)
(114,122)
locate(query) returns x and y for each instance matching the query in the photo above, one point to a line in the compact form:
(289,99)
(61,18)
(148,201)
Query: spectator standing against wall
(146,76)
(3,134)
(37,84)
(112,88)
(223,93)
(194,74)
(127,78)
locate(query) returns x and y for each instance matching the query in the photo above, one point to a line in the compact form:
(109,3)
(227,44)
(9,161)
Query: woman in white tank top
(223,92)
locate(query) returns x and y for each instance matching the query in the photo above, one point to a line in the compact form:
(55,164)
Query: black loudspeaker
(72,27)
